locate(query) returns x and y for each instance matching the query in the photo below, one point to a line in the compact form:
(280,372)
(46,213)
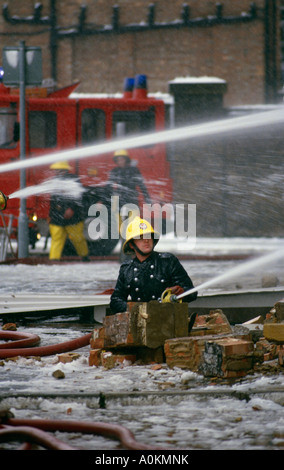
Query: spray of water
(237,271)
(70,188)
(188,132)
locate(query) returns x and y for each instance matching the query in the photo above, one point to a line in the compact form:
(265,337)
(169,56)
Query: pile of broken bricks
(158,332)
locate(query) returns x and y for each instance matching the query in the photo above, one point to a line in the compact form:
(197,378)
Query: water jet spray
(187,132)
(69,188)
(254,263)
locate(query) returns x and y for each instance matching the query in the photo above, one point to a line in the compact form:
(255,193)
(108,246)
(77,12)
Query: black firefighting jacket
(126,182)
(60,202)
(142,282)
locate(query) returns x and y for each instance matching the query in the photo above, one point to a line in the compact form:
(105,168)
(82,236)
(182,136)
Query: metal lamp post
(23,222)
(22,66)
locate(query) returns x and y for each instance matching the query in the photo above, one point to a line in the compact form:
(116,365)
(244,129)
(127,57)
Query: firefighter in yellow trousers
(66,218)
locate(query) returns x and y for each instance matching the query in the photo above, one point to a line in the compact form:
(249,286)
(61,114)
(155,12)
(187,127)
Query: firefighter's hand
(68,213)
(176,290)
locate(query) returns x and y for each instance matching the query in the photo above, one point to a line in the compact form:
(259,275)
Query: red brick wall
(234,52)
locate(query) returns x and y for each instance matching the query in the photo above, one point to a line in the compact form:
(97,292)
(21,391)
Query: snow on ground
(162,407)
(165,407)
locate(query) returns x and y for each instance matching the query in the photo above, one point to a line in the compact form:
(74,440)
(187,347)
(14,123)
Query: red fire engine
(57,121)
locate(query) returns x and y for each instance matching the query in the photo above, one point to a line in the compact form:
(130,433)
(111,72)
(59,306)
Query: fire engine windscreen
(8,127)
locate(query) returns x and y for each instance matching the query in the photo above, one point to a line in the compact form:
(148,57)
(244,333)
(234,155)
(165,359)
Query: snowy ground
(165,407)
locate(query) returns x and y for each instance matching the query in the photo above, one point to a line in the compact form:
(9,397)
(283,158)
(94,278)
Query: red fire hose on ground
(29,436)
(19,340)
(35,431)
(25,339)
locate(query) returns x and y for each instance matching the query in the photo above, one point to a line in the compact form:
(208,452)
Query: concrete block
(139,333)
(227,357)
(274,332)
(97,340)
(241,332)
(95,357)
(154,322)
(68,357)
(213,323)
(110,359)
(147,324)
(186,352)
(98,343)
(267,349)
(255,331)
(117,330)
(232,346)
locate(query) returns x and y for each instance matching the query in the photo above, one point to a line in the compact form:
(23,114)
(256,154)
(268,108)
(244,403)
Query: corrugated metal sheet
(29,302)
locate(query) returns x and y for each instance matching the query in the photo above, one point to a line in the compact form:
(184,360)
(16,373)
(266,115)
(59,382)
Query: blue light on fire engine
(128,84)
(141,81)
(1,74)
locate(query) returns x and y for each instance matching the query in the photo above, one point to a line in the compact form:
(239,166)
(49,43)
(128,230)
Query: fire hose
(36,431)
(19,340)
(26,339)
(30,435)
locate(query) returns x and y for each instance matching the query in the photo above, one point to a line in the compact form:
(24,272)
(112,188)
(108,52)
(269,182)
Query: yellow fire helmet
(121,153)
(3,201)
(60,166)
(135,229)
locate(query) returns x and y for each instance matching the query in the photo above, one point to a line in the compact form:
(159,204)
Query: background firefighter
(125,180)
(66,218)
(145,277)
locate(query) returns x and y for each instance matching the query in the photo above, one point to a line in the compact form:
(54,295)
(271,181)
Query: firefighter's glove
(176,290)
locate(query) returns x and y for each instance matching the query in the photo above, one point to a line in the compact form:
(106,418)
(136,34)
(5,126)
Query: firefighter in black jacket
(66,218)
(150,273)
(125,179)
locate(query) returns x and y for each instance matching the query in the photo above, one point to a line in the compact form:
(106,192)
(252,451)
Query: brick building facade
(101,42)
(235,181)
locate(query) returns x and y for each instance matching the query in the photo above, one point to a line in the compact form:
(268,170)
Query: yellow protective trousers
(59,235)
